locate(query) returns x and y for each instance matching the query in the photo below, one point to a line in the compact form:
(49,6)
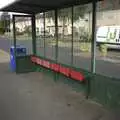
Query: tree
(64,15)
(79,12)
(28,30)
(5,21)
(50,15)
(2,30)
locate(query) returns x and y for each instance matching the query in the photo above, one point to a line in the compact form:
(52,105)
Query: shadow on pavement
(34,96)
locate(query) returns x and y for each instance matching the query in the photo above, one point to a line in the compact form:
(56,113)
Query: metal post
(44,35)
(14,35)
(72,38)
(93,37)
(56,34)
(14,38)
(34,34)
(89,22)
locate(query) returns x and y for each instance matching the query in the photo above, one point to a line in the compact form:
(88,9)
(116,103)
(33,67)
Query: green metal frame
(72,37)
(99,88)
(93,51)
(34,34)
(24,63)
(102,89)
(14,35)
(44,35)
(56,33)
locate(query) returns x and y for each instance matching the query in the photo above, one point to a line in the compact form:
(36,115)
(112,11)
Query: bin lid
(17,46)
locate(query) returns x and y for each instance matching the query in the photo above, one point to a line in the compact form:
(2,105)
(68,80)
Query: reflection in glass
(23,31)
(64,35)
(50,40)
(40,34)
(82,33)
(108,39)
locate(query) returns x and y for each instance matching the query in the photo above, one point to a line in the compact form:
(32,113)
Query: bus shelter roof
(37,6)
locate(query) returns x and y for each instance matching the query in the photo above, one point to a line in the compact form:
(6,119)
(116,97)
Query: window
(107,39)
(82,34)
(64,36)
(40,35)
(50,39)
(23,27)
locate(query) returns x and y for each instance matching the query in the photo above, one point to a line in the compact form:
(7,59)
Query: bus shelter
(60,38)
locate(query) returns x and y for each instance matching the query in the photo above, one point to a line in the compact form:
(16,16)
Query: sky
(4,3)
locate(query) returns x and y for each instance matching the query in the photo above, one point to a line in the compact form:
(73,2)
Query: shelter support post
(44,36)
(56,37)
(93,50)
(14,36)
(34,34)
(56,34)
(72,37)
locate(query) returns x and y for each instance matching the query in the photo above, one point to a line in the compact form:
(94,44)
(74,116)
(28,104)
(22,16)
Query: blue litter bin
(20,51)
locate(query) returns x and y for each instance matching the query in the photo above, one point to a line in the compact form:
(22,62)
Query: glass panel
(108,38)
(23,27)
(50,39)
(64,36)
(4,31)
(40,34)
(82,33)
(5,20)
(10,34)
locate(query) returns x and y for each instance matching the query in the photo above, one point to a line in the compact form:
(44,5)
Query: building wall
(108,18)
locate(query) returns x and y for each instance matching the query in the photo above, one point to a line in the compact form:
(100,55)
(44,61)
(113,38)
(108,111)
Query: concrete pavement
(4,44)
(4,56)
(35,96)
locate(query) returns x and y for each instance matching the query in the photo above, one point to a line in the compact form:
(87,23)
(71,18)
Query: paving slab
(35,96)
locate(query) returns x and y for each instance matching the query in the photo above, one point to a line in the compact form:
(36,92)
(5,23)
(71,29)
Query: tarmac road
(109,66)
(4,44)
